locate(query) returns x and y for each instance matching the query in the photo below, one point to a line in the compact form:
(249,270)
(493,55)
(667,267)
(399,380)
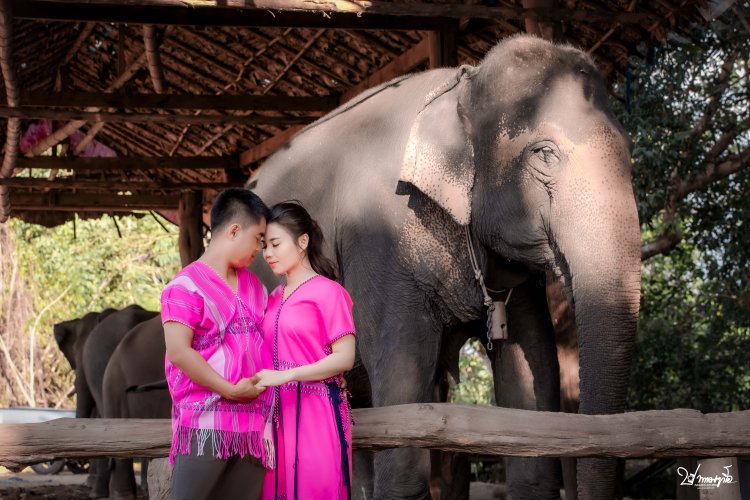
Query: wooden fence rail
(470,429)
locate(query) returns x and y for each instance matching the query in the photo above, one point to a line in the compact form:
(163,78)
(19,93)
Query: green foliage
(476,385)
(72,269)
(687,107)
(690,352)
(101,269)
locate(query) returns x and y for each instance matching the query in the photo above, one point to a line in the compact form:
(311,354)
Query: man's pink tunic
(313,419)
(226,333)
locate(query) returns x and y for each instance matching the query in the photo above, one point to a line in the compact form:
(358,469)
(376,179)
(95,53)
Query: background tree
(51,275)
(687,108)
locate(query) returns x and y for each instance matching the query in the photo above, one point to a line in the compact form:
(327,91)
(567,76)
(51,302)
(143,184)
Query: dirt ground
(28,485)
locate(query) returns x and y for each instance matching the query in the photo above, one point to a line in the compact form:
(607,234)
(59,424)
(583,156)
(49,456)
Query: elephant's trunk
(598,254)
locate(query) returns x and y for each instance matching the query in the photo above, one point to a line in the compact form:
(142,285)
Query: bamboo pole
(154,61)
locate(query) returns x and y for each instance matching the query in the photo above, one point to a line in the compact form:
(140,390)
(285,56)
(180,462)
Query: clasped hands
(246,389)
(250,388)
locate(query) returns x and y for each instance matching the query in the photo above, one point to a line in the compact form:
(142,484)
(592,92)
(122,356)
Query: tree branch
(719,86)
(713,172)
(726,139)
(661,245)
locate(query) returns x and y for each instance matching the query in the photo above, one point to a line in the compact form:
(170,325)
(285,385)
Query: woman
(309,336)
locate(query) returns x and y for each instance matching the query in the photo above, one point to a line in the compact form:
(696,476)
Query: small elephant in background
(91,350)
(71,336)
(134,387)
(97,352)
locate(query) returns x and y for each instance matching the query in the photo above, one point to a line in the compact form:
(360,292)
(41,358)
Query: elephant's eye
(544,152)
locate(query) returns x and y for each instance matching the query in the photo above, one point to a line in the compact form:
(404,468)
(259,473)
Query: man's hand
(245,390)
(273,378)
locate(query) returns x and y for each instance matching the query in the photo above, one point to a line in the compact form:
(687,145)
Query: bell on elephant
(499,330)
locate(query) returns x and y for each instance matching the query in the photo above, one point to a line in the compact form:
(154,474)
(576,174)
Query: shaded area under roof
(320,60)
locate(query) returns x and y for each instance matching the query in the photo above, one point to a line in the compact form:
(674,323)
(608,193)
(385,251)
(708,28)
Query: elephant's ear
(439,158)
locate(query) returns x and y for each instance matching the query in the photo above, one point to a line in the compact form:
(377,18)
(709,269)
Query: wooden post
(534,26)
(190,217)
(443,48)
(159,479)
(13,131)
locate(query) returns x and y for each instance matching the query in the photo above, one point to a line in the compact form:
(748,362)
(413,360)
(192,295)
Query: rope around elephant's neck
(480,279)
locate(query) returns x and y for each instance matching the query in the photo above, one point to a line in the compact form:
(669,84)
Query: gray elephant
(97,350)
(519,157)
(138,361)
(71,336)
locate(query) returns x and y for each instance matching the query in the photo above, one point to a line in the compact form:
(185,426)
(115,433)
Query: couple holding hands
(258,407)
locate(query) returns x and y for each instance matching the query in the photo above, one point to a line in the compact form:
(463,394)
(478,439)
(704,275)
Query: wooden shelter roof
(194,99)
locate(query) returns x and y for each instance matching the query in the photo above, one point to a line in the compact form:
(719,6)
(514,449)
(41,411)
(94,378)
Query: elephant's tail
(151,386)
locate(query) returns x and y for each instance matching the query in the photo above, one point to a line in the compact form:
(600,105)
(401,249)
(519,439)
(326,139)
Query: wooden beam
(62,183)
(399,66)
(222,102)
(83,202)
(102,117)
(73,50)
(129,163)
(268,88)
(71,127)
(482,430)
(166,12)
(267,147)
(295,14)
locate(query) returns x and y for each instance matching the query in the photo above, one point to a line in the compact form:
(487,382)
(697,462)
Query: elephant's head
(525,150)
(71,335)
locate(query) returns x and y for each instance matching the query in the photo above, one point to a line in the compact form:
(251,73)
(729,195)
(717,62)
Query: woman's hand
(246,389)
(273,378)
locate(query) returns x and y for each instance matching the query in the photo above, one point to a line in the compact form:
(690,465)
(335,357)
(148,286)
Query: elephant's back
(350,159)
(140,354)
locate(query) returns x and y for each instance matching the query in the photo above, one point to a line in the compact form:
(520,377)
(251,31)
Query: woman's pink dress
(313,419)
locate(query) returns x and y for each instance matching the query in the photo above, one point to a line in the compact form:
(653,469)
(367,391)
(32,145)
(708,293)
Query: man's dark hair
(237,203)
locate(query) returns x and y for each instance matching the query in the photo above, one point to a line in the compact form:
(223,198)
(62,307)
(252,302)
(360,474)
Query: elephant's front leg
(526,374)
(122,484)
(402,370)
